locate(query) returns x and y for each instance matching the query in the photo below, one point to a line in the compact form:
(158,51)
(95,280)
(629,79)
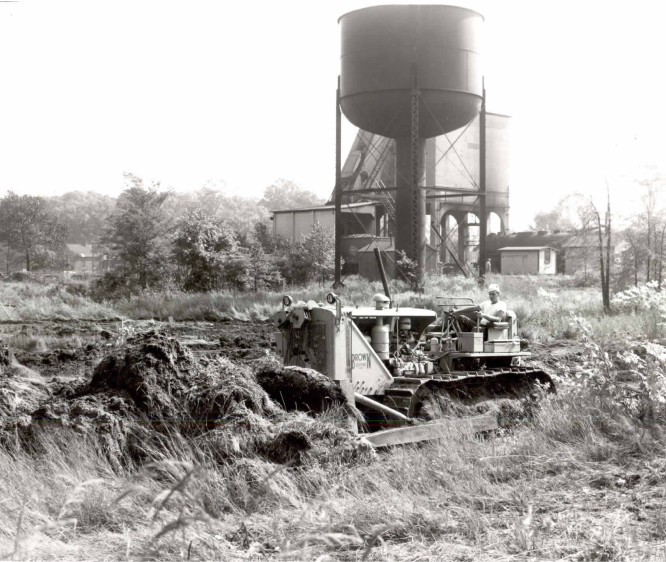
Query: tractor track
(466,387)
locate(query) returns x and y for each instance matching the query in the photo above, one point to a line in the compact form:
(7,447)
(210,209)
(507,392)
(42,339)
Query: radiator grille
(295,341)
(317,346)
(308,344)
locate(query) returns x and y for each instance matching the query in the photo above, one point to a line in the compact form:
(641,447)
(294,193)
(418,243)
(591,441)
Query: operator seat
(512,320)
(509,324)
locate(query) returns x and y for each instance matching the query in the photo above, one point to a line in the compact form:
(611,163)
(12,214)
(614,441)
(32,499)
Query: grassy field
(544,305)
(583,481)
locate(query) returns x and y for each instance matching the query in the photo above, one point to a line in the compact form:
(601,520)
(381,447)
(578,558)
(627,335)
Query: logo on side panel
(361,361)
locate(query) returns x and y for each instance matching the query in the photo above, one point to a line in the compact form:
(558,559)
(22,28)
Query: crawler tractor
(399,364)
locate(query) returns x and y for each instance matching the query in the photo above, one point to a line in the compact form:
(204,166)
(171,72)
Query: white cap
(493,287)
(382,302)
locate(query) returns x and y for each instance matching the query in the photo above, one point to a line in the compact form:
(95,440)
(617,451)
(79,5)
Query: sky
(240,94)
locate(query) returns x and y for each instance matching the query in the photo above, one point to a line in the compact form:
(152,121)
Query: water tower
(410,72)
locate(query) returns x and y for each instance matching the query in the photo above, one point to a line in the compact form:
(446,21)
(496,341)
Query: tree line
(195,241)
(639,238)
(209,240)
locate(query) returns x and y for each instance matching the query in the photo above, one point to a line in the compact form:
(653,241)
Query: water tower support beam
(483,219)
(338,188)
(417,198)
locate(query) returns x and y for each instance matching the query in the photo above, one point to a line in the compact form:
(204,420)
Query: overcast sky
(243,92)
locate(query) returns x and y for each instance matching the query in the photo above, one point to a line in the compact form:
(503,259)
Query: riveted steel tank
(382,48)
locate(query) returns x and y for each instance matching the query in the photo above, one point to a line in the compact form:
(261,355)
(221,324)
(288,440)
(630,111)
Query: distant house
(536,260)
(577,252)
(86,258)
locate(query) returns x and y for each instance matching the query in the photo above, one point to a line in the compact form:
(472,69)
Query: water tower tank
(388,54)
(381,48)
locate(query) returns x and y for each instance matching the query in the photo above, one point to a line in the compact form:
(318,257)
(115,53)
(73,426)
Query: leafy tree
(207,252)
(84,214)
(575,213)
(644,237)
(312,257)
(137,231)
(263,272)
(239,213)
(633,256)
(285,194)
(572,212)
(553,219)
(28,225)
(262,234)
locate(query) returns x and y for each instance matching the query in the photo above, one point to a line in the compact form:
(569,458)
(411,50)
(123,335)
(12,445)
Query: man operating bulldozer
(486,313)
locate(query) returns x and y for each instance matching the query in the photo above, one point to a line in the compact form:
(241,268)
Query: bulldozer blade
(428,432)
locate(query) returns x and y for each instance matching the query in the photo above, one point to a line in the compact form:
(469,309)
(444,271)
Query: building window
(546,257)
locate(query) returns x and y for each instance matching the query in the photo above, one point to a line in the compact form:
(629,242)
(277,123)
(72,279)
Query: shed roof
(555,239)
(80,250)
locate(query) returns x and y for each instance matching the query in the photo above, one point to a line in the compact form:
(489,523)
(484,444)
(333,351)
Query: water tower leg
(483,218)
(338,189)
(408,221)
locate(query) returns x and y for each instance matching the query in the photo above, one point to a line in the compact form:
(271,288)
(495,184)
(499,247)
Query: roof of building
(80,250)
(554,239)
(325,208)
(523,248)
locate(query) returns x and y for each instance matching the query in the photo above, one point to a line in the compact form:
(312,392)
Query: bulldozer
(402,366)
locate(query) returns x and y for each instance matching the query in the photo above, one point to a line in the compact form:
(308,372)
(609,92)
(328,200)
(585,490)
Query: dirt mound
(298,388)
(21,391)
(296,439)
(154,390)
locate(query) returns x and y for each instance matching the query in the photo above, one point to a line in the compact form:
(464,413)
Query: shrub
(411,272)
(312,258)
(640,392)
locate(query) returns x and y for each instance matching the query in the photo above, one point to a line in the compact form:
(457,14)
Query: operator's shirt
(497,309)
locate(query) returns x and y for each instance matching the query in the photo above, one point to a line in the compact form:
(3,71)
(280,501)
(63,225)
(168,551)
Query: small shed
(537,260)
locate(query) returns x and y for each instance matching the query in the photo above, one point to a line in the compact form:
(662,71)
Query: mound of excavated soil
(298,388)
(296,439)
(21,391)
(153,385)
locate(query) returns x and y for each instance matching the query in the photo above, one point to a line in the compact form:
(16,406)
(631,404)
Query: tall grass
(34,302)
(544,304)
(460,498)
